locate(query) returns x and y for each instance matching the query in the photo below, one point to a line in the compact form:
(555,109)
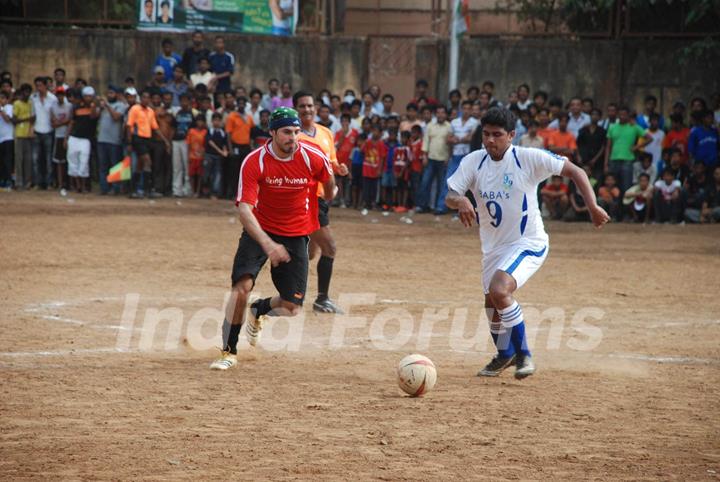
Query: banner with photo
(268,17)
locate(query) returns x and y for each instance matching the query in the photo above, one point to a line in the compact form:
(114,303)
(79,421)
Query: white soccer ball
(416,375)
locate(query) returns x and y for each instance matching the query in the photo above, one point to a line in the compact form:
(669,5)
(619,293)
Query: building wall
(103,56)
(607,70)
(604,69)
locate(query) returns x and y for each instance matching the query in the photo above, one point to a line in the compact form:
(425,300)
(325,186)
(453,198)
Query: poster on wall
(268,17)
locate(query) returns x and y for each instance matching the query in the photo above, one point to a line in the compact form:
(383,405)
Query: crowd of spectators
(188,130)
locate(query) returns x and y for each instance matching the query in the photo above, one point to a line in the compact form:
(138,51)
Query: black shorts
(357,175)
(323,212)
(290,279)
(140,145)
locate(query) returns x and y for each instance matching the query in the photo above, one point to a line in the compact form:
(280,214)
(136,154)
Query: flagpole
(454,48)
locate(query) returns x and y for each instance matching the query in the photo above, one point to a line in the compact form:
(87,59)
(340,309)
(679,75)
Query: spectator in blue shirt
(178,85)
(643,120)
(222,64)
(703,142)
(167,59)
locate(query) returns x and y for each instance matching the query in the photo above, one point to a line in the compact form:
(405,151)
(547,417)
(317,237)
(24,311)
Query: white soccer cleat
(253,329)
(227,360)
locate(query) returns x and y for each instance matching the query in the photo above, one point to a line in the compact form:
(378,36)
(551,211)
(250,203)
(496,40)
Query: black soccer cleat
(524,367)
(496,366)
(327,306)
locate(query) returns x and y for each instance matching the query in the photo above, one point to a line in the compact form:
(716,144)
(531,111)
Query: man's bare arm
(465,209)
(597,214)
(275,252)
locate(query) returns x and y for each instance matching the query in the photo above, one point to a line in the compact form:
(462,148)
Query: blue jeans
(452,167)
(42,147)
(212,173)
(434,171)
(623,170)
(108,155)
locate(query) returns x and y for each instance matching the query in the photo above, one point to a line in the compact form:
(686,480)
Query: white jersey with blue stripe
(506,193)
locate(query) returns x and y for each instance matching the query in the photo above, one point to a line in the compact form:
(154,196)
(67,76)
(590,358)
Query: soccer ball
(416,375)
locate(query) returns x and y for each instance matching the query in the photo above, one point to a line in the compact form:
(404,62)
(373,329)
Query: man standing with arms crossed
(276,187)
(323,237)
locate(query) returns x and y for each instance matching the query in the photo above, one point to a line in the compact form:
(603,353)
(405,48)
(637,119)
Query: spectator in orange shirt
(544,131)
(562,141)
(196,153)
(555,197)
(238,127)
(142,124)
(609,196)
(677,137)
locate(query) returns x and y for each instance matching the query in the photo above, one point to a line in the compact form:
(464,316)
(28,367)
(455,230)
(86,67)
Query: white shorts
(78,157)
(520,260)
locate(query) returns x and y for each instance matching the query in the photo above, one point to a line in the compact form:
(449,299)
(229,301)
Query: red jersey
(375,152)
(679,140)
(416,149)
(282,190)
(346,146)
(196,143)
(401,161)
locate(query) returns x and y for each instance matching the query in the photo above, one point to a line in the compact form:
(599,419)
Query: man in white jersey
(504,180)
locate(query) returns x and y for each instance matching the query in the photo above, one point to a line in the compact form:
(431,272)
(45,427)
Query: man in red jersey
(278,181)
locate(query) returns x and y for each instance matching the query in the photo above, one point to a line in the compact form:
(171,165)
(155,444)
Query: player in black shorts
(276,183)
(321,240)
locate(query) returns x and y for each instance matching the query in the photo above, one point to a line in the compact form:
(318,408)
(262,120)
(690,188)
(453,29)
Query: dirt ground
(90,393)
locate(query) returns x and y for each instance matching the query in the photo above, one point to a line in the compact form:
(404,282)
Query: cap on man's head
(131,91)
(87,90)
(158,69)
(284,117)
(60,90)
(115,88)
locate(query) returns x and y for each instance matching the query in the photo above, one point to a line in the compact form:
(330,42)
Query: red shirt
(416,148)
(401,161)
(678,139)
(375,152)
(346,146)
(283,190)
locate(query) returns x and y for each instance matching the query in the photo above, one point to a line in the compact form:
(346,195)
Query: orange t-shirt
(238,128)
(546,134)
(325,140)
(563,140)
(608,194)
(142,121)
(196,143)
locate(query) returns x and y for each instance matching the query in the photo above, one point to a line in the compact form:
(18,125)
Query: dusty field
(631,394)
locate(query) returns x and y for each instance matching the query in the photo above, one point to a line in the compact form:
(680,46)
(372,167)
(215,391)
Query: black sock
(261,307)
(324,271)
(231,333)
(147,182)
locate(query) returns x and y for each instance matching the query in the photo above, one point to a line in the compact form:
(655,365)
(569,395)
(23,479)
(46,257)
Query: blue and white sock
(499,335)
(512,320)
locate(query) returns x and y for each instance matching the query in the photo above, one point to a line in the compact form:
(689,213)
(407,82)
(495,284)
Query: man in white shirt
(61,114)
(504,179)
(42,101)
(462,131)
(203,75)
(654,147)
(577,118)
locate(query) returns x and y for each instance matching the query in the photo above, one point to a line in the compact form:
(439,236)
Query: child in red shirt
(555,197)
(416,166)
(374,151)
(196,152)
(401,170)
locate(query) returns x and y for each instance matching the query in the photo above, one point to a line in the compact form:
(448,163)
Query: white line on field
(79,351)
